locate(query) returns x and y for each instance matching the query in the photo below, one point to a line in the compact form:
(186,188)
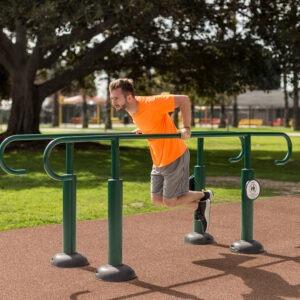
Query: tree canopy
(196,44)
(70,39)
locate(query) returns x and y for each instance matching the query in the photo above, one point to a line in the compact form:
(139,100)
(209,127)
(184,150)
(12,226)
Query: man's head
(125,84)
(121,93)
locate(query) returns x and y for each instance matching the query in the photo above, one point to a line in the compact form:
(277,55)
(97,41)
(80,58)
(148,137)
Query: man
(171,158)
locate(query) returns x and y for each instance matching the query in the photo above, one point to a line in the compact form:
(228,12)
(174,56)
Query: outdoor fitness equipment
(115,270)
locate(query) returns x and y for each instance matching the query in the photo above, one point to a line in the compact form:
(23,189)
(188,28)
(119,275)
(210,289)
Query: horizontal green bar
(86,138)
(28,137)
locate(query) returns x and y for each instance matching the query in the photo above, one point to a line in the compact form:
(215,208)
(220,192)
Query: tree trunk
(55,110)
(235,121)
(222,115)
(286,103)
(85,118)
(296,122)
(212,113)
(26,107)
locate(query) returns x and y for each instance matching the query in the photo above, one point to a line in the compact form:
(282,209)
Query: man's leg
(190,199)
(201,205)
(156,186)
(202,213)
(157,199)
(170,186)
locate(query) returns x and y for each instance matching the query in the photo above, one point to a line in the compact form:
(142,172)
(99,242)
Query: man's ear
(130,98)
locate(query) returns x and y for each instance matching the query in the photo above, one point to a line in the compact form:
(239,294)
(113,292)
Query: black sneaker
(202,213)
(192,183)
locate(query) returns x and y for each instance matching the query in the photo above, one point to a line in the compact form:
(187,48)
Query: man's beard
(120,107)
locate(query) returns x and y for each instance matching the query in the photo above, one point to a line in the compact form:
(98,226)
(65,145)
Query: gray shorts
(172,180)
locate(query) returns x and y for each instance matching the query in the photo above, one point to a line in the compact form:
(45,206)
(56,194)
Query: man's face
(118,100)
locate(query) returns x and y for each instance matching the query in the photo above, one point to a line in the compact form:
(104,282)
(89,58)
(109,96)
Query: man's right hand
(137,131)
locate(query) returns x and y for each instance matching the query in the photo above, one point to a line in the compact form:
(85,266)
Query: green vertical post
(115,222)
(115,161)
(115,203)
(247,244)
(198,236)
(69,204)
(199,174)
(247,204)
(115,270)
(69,258)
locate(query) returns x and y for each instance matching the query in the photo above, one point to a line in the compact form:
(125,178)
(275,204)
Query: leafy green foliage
(200,47)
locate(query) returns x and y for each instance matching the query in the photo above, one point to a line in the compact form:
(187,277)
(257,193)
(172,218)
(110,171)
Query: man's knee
(157,199)
(169,202)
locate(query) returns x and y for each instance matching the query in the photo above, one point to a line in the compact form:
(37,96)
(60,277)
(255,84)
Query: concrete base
(196,238)
(115,273)
(64,260)
(247,247)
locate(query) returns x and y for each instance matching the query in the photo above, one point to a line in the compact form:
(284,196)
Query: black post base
(115,273)
(64,260)
(247,247)
(196,238)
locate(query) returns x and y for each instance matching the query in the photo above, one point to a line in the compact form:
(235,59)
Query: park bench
(209,121)
(251,122)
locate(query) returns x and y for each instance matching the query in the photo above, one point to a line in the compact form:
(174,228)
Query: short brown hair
(125,84)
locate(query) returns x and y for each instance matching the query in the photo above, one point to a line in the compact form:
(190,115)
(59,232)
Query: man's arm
(184,104)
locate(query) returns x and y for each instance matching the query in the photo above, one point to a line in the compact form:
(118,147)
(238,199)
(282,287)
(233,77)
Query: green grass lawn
(35,199)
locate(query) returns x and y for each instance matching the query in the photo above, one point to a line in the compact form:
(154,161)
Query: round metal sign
(252,189)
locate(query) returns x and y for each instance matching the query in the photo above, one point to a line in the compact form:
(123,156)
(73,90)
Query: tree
(216,59)
(71,39)
(4,83)
(277,25)
(39,35)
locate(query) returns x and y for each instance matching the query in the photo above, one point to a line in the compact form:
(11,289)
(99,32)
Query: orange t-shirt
(153,117)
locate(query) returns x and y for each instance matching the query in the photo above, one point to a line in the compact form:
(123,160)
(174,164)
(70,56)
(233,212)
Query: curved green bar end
(49,171)
(289,152)
(3,164)
(240,156)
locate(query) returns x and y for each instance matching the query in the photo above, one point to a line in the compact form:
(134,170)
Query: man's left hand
(185,133)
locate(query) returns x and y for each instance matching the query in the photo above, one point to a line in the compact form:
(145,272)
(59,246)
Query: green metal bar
(199,174)
(247,204)
(48,169)
(115,203)
(115,207)
(115,161)
(28,137)
(200,148)
(241,154)
(86,138)
(199,169)
(69,205)
(247,151)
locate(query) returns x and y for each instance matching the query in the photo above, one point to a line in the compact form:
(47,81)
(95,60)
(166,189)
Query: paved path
(166,267)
